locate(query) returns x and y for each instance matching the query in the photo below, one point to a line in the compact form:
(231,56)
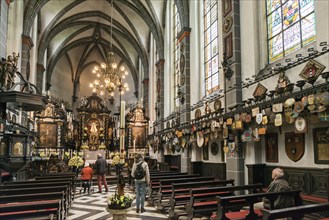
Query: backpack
(139,172)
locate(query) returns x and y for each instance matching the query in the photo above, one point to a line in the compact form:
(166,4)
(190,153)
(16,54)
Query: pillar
(27,45)
(233,84)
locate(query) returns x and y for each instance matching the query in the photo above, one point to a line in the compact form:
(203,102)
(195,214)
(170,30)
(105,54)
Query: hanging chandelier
(109,75)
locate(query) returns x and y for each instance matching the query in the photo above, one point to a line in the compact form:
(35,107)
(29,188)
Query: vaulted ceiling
(75,35)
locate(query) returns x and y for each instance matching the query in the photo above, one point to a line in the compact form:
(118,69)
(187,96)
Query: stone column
(185,88)
(40,70)
(27,45)
(160,93)
(146,96)
(232,82)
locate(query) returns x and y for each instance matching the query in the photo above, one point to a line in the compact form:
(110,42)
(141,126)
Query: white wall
(254,58)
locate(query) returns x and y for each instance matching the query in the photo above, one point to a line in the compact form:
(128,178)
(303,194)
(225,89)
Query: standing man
(86,177)
(101,167)
(141,174)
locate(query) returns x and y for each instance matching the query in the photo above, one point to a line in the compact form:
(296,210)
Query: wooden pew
(296,212)
(54,177)
(167,174)
(58,174)
(36,190)
(35,209)
(37,197)
(34,184)
(225,204)
(165,186)
(203,201)
(155,181)
(180,194)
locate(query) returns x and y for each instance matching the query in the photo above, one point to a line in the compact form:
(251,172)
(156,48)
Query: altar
(91,155)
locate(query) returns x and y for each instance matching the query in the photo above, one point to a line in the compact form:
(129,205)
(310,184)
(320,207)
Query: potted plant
(118,205)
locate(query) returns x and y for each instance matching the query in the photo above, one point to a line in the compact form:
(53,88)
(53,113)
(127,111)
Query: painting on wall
(205,152)
(271,147)
(48,135)
(227,7)
(228,45)
(321,145)
(138,137)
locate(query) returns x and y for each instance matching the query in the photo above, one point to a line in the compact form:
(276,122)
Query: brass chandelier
(109,75)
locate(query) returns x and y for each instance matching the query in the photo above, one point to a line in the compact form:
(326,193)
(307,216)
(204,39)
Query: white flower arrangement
(75,161)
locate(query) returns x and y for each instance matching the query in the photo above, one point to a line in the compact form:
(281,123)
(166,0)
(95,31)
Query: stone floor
(93,207)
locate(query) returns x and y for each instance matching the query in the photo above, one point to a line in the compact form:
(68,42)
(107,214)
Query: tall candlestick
(122,114)
(122,131)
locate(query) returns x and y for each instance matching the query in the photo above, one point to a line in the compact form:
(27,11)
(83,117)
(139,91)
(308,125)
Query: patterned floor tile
(93,207)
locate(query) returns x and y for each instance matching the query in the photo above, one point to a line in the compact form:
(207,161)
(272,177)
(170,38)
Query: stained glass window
(290,26)
(211,58)
(177,29)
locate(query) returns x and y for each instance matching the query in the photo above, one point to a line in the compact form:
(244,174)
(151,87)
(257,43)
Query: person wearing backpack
(140,172)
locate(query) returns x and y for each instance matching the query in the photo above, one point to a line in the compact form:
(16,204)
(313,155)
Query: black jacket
(101,166)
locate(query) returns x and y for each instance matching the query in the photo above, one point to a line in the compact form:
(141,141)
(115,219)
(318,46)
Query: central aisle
(92,207)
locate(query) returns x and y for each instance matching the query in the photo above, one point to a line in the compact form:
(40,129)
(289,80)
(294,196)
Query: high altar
(95,131)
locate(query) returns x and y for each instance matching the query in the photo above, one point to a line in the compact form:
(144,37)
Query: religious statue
(8,70)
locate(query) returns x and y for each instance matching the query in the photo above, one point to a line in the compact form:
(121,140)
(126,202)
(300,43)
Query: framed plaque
(205,152)
(321,145)
(227,7)
(228,45)
(271,147)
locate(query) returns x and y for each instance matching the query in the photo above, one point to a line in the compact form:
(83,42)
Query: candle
(134,144)
(122,114)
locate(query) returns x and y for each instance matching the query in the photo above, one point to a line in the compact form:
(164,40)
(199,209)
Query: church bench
(296,212)
(36,197)
(27,184)
(169,192)
(35,184)
(59,174)
(73,178)
(43,182)
(36,190)
(309,199)
(227,206)
(165,185)
(27,210)
(203,201)
(70,178)
(180,193)
(154,174)
(155,181)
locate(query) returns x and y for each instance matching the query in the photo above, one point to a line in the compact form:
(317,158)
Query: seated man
(279,185)
(86,177)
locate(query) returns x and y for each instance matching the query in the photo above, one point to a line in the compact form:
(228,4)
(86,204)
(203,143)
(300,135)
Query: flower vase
(118,214)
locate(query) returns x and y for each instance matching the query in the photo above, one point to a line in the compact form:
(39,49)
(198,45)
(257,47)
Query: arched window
(290,26)
(177,29)
(211,58)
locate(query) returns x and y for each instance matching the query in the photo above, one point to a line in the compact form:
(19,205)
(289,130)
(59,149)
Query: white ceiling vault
(75,35)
